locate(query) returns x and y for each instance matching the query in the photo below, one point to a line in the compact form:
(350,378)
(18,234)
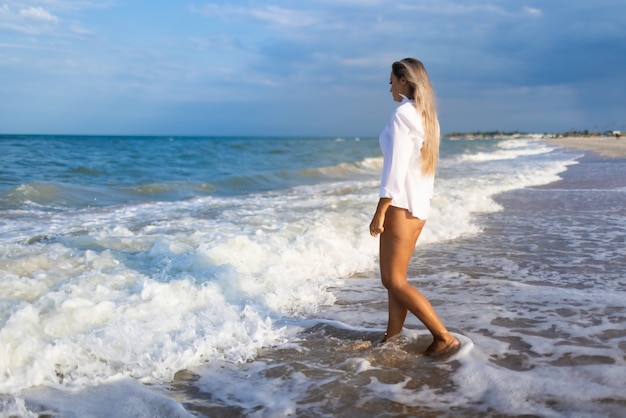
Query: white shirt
(402,178)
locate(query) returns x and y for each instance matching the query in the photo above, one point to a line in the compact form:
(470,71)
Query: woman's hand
(377,226)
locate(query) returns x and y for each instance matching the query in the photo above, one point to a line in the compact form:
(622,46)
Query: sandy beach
(605,146)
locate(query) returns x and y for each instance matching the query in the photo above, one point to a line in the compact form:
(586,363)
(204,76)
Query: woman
(410,145)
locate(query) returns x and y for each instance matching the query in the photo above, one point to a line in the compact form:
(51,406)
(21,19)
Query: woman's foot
(391,339)
(443,346)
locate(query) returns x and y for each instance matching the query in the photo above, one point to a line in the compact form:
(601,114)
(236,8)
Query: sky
(306,67)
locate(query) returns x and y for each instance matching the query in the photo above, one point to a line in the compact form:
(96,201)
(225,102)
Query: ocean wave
(65,196)
(53,195)
(508,150)
(368,166)
(204,278)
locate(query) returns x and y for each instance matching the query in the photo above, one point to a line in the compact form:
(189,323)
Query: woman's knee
(393,282)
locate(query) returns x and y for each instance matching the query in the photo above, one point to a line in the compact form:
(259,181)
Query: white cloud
(273,14)
(452,8)
(38,13)
(283,17)
(533,11)
(5,45)
(323,46)
(59,6)
(77,29)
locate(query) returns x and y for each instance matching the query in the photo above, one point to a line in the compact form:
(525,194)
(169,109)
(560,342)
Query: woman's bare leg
(397,244)
(397,316)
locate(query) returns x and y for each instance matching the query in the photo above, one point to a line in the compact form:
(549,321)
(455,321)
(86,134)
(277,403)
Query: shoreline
(605,146)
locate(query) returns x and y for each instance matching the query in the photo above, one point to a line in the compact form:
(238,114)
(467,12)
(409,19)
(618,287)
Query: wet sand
(605,146)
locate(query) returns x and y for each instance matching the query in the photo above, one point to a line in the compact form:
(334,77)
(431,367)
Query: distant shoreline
(604,145)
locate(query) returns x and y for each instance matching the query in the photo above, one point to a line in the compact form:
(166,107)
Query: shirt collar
(405,99)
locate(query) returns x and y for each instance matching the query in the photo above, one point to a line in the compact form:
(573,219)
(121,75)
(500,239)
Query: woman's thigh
(397,243)
(403,226)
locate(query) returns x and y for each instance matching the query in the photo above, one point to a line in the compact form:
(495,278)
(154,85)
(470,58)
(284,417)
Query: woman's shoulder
(406,106)
(407,112)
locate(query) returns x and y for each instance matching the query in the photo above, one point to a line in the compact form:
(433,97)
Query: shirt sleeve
(398,152)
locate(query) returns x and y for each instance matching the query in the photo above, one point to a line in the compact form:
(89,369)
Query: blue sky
(307,67)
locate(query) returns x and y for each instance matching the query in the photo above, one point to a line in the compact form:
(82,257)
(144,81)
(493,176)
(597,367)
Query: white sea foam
(464,189)
(120,398)
(551,367)
(195,280)
(502,155)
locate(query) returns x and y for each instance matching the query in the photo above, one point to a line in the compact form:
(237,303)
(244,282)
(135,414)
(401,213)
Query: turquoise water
(169,276)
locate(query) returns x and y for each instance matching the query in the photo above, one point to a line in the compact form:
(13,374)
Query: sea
(236,277)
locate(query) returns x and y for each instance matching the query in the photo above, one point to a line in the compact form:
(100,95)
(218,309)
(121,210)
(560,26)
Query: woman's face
(398,86)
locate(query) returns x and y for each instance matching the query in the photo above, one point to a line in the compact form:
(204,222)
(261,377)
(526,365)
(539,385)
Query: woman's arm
(378,221)
(398,150)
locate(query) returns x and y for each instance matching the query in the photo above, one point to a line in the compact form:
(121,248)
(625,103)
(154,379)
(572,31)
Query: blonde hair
(422,92)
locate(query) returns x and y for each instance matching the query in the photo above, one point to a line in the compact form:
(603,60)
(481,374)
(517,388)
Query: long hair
(425,103)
